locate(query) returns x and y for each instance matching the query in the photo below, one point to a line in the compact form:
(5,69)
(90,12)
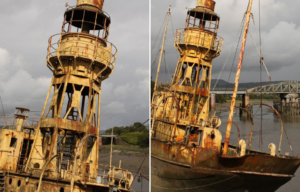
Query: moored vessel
(187,152)
(60,151)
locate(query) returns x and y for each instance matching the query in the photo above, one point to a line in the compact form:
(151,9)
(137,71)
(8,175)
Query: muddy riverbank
(131,158)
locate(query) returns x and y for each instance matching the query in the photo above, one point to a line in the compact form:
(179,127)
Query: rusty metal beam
(237,78)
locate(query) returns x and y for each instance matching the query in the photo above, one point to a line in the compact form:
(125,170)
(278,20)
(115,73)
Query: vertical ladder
(2,181)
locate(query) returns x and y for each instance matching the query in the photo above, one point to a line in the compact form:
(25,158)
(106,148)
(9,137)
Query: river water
(141,185)
(271,133)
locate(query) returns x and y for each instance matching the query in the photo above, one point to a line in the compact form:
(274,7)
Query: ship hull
(170,176)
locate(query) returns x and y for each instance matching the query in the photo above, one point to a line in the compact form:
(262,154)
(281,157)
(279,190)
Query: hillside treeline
(136,134)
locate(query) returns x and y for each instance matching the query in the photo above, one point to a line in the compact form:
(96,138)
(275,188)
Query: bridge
(287,87)
(281,88)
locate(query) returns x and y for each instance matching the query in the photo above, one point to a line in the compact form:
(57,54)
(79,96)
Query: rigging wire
(157,54)
(229,54)
(140,167)
(173,34)
(261,57)
(270,81)
(159,32)
(167,68)
(239,40)
(260,60)
(142,123)
(153,64)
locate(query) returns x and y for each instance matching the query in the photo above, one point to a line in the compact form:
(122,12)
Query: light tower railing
(95,49)
(199,38)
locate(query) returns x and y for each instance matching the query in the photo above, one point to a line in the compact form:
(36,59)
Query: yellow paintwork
(186,102)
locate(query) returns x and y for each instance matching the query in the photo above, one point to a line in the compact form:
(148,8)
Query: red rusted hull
(167,177)
(253,172)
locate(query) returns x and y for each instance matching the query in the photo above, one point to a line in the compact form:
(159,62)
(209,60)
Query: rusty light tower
(80,58)
(186,103)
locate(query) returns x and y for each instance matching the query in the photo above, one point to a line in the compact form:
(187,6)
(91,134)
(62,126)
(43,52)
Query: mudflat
(131,158)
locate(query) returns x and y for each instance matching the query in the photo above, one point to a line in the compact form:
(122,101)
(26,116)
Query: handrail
(199,39)
(85,49)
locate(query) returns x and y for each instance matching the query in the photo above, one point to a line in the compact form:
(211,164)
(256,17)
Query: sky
(280,35)
(24,78)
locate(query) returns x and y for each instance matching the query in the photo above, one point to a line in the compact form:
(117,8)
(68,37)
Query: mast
(162,48)
(237,78)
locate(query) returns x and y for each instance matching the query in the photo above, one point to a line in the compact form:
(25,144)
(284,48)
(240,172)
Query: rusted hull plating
(167,177)
(209,171)
(21,182)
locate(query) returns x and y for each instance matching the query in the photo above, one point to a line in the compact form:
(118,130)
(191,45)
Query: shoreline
(131,158)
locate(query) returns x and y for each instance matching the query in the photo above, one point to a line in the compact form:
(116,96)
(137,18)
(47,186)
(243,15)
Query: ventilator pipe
(272,148)
(242,145)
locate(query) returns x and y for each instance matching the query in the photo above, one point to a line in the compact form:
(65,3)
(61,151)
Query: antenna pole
(237,78)
(162,49)
(111,144)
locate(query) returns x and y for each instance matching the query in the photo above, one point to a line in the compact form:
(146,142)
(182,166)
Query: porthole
(19,183)
(10,181)
(36,165)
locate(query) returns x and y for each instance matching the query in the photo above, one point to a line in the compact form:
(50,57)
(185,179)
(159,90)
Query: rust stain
(98,3)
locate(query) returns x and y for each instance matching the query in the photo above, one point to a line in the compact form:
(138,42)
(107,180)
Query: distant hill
(223,84)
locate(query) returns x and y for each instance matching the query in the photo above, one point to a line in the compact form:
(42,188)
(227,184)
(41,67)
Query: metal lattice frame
(283,87)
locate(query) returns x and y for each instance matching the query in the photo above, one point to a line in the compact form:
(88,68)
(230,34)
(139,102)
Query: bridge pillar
(245,100)
(283,96)
(246,105)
